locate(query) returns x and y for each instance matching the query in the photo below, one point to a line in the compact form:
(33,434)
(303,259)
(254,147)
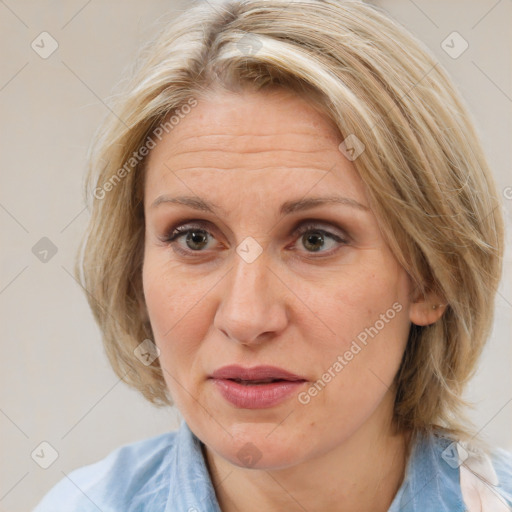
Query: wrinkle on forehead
(231,123)
(279,146)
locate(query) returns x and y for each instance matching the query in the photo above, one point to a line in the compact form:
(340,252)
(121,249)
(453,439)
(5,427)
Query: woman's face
(270,278)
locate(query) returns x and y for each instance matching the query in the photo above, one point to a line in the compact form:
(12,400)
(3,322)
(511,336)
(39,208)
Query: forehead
(278,136)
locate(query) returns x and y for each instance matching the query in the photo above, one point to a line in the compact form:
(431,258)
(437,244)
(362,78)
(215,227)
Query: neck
(362,473)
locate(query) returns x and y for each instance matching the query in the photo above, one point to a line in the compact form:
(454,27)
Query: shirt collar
(430,483)
(191,489)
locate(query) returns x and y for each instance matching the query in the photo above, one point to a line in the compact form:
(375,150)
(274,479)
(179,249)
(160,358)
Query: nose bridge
(250,304)
(248,282)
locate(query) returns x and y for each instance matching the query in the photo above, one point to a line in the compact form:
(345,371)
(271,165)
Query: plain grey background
(57,386)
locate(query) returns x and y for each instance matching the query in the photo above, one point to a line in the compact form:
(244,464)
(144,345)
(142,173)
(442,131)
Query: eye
(316,240)
(196,238)
(194,235)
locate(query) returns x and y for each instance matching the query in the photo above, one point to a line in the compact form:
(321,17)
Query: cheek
(179,323)
(175,309)
(355,298)
(358,363)
(380,324)
(366,311)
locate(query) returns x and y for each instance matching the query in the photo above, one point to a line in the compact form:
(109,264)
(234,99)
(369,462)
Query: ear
(426,309)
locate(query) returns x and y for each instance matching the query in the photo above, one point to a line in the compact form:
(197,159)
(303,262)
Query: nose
(252,307)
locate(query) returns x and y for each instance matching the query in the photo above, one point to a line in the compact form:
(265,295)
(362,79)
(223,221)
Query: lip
(255,396)
(235,371)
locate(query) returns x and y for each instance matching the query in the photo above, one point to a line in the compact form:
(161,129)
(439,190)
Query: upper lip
(255,373)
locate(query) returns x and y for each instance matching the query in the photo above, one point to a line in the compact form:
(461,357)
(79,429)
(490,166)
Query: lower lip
(257,396)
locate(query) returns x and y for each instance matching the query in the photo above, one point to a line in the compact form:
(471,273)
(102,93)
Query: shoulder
(502,464)
(117,481)
(446,474)
(483,473)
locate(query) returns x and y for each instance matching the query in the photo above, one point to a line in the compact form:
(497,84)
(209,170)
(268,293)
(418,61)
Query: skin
(291,307)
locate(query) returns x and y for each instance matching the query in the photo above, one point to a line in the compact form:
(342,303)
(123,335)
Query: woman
(294,239)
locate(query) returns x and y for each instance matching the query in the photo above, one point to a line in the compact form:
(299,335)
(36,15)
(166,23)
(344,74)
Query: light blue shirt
(167,473)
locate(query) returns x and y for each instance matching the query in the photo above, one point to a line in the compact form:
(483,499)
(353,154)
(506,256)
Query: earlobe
(426,311)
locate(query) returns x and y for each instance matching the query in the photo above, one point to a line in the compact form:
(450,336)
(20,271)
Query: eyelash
(177,232)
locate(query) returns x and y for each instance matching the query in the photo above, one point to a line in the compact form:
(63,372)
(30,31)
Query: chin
(249,456)
(259,446)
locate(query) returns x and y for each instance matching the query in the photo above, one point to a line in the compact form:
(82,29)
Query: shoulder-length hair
(427,178)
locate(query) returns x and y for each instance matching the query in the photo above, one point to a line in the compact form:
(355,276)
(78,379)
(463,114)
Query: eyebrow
(286,208)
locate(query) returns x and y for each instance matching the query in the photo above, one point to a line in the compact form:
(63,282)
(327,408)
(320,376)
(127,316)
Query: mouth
(255,375)
(259,387)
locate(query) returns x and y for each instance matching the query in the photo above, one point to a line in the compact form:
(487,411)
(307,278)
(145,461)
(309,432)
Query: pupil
(195,237)
(314,239)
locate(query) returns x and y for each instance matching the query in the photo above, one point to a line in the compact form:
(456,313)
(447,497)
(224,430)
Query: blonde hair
(427,179)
